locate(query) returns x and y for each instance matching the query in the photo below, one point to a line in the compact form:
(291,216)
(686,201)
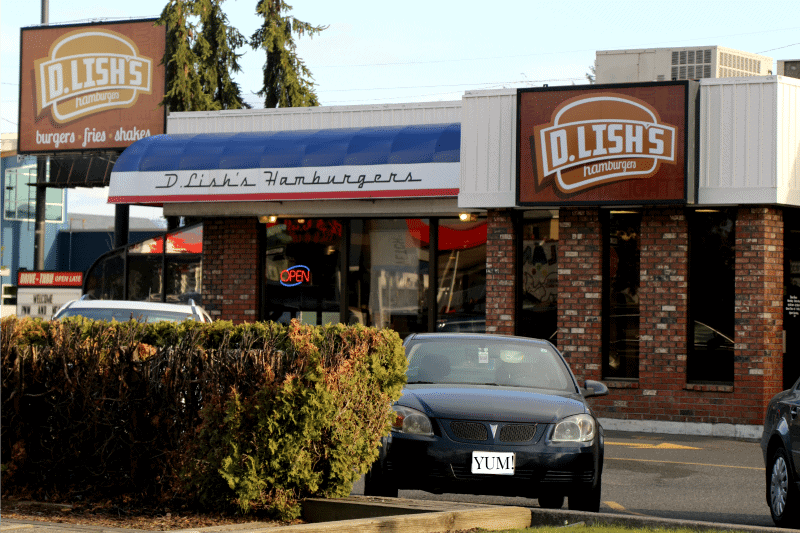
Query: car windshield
(484,362)
(124,315)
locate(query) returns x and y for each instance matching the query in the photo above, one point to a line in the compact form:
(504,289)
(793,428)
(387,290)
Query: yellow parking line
(618,507)
(684,463)
(648,446)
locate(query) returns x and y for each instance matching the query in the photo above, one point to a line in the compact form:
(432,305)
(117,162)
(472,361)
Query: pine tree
(200,57)
(184,86)
(287,80)
(216,51)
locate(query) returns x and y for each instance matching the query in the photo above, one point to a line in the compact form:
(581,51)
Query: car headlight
(411,421)
(576,428)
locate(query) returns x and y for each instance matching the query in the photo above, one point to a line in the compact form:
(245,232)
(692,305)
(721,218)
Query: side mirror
(593,388)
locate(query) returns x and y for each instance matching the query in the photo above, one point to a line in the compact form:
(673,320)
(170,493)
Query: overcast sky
(414,50)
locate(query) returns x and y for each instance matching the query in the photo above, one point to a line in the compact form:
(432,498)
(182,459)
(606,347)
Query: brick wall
(230,268)
(580,290)
(661,392)
(501,274)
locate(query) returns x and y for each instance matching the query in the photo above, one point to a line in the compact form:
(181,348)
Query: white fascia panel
(488,149)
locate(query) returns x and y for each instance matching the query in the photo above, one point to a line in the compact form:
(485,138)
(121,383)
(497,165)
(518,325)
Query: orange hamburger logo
(599,139)
(89,71)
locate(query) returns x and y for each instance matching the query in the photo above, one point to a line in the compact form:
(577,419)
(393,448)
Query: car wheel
(551,502)
(784,501)
(378,483)
(587,499)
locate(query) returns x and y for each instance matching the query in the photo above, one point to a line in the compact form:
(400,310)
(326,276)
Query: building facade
(650,231)
(18,204)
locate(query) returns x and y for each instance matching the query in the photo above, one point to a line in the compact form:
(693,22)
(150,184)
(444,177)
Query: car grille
(556,476)
(478,431)
(517,432)
(469,430)
(465,473)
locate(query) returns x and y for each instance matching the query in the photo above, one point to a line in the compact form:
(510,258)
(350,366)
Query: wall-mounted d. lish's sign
(605,144)
(90,87)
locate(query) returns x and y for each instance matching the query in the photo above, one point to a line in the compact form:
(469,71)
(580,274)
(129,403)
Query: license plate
(496,463)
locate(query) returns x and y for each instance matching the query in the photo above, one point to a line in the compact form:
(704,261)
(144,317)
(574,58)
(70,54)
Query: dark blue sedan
(780,443)
(492,414)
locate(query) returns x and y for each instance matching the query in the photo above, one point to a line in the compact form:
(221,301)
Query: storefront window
(184,278)
(105,279)
(539,280)
(388,278)
(302,270)
(711,296)
(791,297)
(145,273)
(461,276)
(621,296)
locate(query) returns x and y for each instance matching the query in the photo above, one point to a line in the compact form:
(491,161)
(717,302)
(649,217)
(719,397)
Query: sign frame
(533,190)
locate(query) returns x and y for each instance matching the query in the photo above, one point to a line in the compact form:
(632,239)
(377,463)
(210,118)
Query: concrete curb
(364,514)
(563,517)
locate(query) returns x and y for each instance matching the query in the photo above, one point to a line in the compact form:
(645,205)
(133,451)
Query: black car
(492,414)
(780,443)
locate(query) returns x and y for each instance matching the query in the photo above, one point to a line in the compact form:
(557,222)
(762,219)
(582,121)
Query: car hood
(491,403)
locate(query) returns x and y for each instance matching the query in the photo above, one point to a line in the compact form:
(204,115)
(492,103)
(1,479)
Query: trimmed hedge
(250,417)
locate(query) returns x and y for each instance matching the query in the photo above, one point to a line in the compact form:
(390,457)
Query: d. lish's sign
(624,144)
(90,87)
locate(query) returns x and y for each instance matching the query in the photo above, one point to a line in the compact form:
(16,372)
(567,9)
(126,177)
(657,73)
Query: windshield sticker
(483,356)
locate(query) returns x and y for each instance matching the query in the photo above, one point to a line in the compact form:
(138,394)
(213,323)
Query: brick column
(579,290)
(758,366)
(663,299)
(230,268)
(501,273)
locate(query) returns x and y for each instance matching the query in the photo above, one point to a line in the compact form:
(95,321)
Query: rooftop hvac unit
(789,68)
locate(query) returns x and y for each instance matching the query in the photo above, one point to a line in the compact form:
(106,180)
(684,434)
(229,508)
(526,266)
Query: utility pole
(41,185)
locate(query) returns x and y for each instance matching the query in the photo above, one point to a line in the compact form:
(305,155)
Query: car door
(792,402)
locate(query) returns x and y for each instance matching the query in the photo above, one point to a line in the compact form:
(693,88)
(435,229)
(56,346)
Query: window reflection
(145,278)
(711,296)
(621,353)
(105,279)
(539,283)
(184,279)
(388,274)
(461,276)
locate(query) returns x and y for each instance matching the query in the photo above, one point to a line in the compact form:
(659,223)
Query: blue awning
(374,162)
(438,143)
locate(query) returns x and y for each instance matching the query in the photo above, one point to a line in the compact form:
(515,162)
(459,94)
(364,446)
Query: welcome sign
(90,87)
(623,144)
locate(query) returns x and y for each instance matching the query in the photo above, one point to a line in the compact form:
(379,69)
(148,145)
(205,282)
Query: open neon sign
(294,276)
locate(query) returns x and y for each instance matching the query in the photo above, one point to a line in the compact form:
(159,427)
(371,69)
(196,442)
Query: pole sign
(90,87)
(605,145)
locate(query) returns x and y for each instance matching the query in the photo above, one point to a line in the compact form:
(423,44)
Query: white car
(124,310)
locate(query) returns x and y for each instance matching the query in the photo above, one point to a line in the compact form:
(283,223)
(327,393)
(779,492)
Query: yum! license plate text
(496,463)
